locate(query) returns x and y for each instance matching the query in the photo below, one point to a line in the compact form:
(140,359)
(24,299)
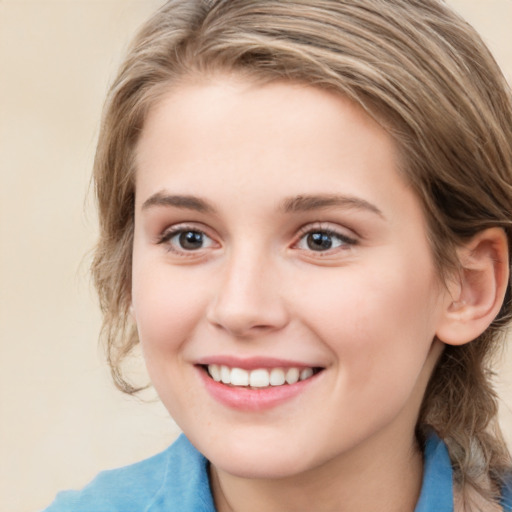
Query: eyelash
(167,236)
(346,241)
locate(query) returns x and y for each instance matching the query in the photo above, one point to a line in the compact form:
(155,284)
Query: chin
(257,458)
(272,468)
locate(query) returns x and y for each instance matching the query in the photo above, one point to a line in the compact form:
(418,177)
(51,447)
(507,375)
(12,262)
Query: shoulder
(175,479)
(438,492)
(437,488)
(506,500)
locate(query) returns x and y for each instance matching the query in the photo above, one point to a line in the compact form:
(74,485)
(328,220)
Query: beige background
(61,420)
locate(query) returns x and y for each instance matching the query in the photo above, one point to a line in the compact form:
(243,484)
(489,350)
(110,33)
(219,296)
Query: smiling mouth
(259,378)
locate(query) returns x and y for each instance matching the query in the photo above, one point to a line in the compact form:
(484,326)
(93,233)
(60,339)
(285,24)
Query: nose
(248,301)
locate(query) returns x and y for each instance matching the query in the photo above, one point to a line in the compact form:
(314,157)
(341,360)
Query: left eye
(321,240)
(187,240)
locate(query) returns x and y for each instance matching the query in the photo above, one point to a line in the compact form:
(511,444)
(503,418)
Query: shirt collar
(437,488)
(191,480)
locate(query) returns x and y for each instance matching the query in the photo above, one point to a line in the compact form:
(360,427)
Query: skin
(366,310)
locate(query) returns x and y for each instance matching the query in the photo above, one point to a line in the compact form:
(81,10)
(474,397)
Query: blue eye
(323,240)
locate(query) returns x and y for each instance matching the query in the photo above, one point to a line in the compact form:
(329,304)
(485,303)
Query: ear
(476,294)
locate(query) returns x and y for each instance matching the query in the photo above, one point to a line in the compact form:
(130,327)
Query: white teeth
(306,373)
(240,377)
(225,375)
(277,377)
(292,375)
(214,372)
(259,378)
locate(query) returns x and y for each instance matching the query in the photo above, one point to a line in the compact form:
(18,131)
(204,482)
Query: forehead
(238,129)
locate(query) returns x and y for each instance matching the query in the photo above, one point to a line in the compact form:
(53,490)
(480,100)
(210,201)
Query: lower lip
(251,399)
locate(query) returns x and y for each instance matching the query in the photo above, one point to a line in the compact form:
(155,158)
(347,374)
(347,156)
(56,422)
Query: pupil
(319,241)
(191,240)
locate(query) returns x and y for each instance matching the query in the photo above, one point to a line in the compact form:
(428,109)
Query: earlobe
(479,289)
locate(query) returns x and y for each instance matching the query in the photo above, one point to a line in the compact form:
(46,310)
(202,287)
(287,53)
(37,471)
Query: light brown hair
(419,70)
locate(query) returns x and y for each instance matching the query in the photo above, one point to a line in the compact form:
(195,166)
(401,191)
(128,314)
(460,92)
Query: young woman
(305,214)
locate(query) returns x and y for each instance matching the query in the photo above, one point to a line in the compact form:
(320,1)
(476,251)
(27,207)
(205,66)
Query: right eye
(182,240)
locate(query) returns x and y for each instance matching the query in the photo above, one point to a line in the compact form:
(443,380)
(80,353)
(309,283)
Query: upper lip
(253,363)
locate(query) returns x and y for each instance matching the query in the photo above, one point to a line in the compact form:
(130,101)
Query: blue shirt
(176,480)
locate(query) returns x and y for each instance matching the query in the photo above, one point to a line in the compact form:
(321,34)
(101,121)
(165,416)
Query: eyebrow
(300,203)
(187,202)
(304,203)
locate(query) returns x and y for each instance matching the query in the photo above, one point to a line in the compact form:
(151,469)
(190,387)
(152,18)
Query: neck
(367,479)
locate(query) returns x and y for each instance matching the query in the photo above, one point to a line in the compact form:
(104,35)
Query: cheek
(167,306)
(375,321)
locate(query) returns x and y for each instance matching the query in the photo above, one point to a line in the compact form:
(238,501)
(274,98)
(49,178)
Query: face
(283,287)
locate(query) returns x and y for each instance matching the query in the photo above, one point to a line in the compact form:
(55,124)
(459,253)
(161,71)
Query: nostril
(245,323)
(247,304)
